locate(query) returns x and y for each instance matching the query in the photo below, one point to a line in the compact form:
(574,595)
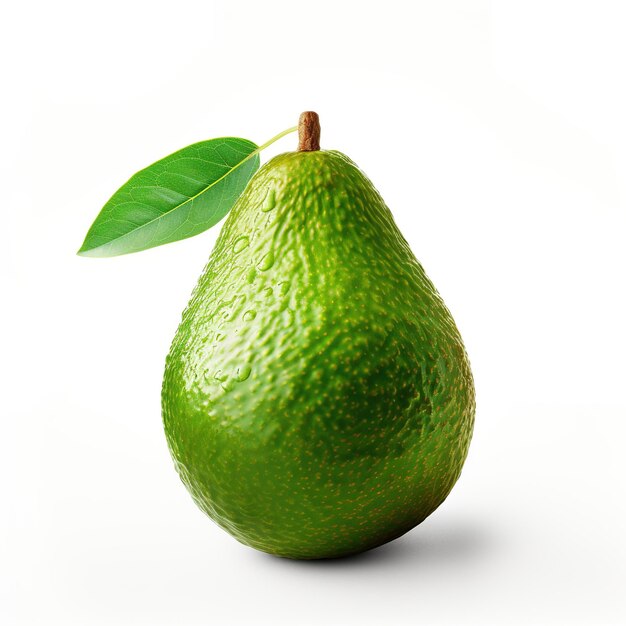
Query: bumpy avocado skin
(317,398)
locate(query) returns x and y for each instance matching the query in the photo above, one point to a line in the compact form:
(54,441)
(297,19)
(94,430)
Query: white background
(496,132)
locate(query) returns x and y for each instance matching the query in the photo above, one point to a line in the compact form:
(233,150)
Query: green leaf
(177,197)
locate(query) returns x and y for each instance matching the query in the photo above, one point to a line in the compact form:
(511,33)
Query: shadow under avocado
(451,544)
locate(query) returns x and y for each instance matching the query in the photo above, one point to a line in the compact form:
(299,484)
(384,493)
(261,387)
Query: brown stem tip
(309,132)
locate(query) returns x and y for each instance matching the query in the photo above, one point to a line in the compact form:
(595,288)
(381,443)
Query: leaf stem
(268,143)
(293,129)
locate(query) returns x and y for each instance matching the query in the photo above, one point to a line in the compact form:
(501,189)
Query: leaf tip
(85,250)
(98,252)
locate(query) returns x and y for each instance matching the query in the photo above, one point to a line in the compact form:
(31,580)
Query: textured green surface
(317,397)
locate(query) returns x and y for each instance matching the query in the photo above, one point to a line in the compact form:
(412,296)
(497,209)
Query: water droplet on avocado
(270,201)
(227,385)
(243,373)
(266,262)
(219,375)
(241,244)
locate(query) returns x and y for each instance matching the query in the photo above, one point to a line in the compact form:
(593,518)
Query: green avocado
(317,399)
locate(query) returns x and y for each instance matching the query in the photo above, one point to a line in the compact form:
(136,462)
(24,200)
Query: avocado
(317,399)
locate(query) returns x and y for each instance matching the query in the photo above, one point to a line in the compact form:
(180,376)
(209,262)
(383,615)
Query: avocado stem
(309,132)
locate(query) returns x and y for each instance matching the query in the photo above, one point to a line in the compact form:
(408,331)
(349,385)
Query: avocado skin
(317,398)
